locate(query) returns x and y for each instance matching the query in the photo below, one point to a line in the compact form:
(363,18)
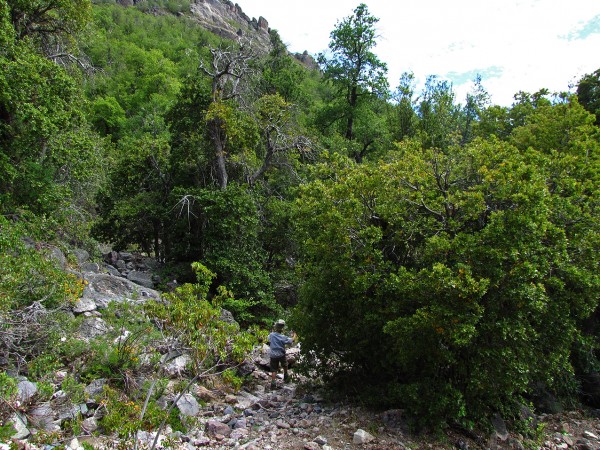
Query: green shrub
(43,366)
(28,275)
(188,314)
(8,394)
(440,278)
(124,415)
(230,377)
(73,389)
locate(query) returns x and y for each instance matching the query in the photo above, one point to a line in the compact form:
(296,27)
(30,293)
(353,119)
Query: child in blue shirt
(277,342)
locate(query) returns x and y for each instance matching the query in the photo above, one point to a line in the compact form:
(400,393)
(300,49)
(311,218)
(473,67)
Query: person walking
(277,343)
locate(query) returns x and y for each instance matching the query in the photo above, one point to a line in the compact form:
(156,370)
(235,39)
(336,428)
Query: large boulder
(362,437)
(188,405)
(92,327)
(214,427)
(104,288)
(141,278)
(177,366)
(57,255)
(26,390)
(81,255)
(19,423)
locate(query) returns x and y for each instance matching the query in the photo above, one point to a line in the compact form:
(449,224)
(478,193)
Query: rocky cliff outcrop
(228,20)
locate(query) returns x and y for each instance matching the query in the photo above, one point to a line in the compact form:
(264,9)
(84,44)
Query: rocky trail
(294,415)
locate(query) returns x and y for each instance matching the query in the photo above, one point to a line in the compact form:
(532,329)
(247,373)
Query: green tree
(471,254)
(50,161)
(588,92)
(439,116)
(477,100)
(352,67)
(132,207)
(49,23)
(281,73)
(403,115)
(228,70)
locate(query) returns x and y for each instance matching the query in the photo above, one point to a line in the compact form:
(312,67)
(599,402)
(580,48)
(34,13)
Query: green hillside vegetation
(440,253)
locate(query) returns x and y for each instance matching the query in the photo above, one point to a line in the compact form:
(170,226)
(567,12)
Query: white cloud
(530,41)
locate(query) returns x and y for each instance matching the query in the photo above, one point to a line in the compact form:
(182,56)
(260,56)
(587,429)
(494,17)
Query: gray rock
(239,433)
(362,437)
(20,425)
(500,427)
(82,255)
(515,444)
(57,255)
(188,405)
(26,391)
(245,400)
(227,317)
(150,263)
(93,327)
(226,20)
(65,410)
(200,441)
(282,424)
(240,423)
(28,242)
(146,438)
(43,417)
(112,270)
(304,423)
(103,288)
(590,435)
(584,444)
(141,278)
(84,410)
(163,402)
(95,388)
(214,427)
(90,267)
(311,446)
(320,440)
(177,366)
(83,305)
(59,376)
(126,256)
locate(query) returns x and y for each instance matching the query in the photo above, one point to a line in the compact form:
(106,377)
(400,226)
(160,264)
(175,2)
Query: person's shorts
(275,362)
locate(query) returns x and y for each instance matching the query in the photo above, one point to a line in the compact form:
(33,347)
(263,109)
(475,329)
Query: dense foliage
(442,255)
(441,277)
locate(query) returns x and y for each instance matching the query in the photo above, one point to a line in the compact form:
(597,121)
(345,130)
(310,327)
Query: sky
(515,45)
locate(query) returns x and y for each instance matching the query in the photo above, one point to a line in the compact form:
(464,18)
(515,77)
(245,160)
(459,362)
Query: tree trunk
(352,103)
(217,137)
(266,162)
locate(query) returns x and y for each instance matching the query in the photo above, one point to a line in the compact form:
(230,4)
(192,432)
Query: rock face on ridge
(226,19)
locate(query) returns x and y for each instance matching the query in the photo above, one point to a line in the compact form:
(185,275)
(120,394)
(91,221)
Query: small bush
(43,366)
(8,394)
(124,415)
(230,377)
(27,275)
(73,389)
